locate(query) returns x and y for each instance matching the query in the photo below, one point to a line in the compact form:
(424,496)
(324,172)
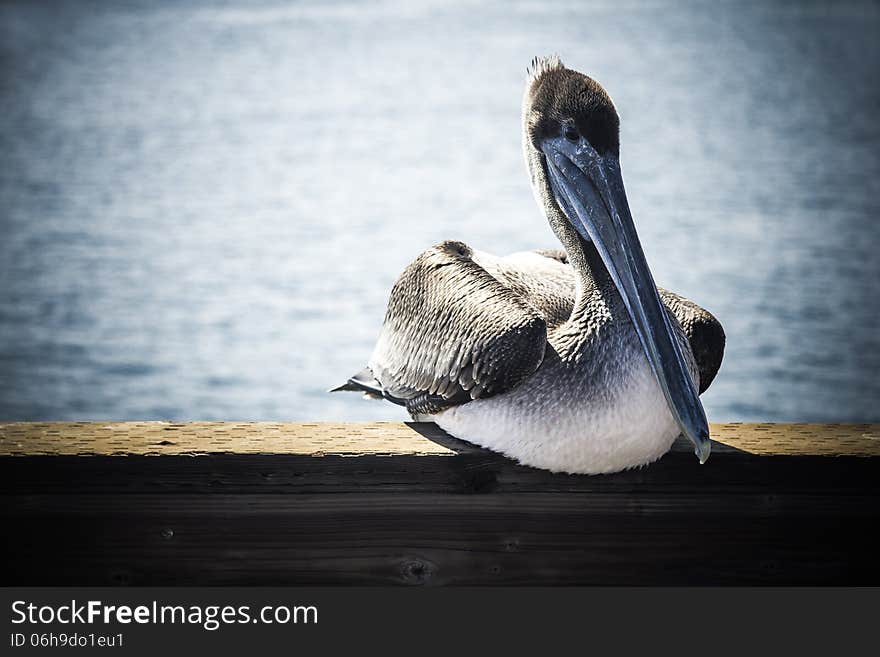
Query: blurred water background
(203,206)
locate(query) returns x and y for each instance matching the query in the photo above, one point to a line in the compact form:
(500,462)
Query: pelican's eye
(571,133)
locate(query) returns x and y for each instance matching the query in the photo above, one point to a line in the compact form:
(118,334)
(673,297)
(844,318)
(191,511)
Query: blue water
(203,206)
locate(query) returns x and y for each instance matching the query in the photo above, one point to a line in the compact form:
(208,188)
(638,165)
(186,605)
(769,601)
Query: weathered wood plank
(788,504)
(197,438)
(374,438)
(439,539)
(476,473)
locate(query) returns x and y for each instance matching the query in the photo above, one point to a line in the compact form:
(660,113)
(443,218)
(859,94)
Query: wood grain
(374,438)
(268,503)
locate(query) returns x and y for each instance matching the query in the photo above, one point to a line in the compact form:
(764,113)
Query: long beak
(589,189)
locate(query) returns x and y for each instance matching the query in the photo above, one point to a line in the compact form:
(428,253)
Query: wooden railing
(387,503)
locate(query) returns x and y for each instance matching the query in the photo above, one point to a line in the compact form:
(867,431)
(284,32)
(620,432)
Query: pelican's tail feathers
(365,382)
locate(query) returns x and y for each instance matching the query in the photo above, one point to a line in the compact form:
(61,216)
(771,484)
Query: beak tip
(703,450)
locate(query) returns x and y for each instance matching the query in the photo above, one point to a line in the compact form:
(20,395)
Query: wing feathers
(455,332)
(703,331)
(451,326)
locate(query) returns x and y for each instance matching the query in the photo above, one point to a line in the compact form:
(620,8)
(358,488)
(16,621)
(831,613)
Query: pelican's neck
(593,282)
(593,286)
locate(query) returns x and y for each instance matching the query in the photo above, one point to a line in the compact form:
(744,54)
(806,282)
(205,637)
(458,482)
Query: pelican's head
(571,141)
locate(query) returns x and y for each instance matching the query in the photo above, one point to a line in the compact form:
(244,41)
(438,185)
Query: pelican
(572,361)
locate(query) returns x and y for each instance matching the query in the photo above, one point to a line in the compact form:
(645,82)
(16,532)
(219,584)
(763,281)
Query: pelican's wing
(453,333)
(703,331)
(548,284)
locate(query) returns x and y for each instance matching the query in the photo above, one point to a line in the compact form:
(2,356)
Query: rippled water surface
(204,206)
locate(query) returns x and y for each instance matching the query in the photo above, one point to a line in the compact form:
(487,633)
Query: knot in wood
(417,571)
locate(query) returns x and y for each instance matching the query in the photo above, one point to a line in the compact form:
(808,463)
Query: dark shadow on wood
(435,434)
